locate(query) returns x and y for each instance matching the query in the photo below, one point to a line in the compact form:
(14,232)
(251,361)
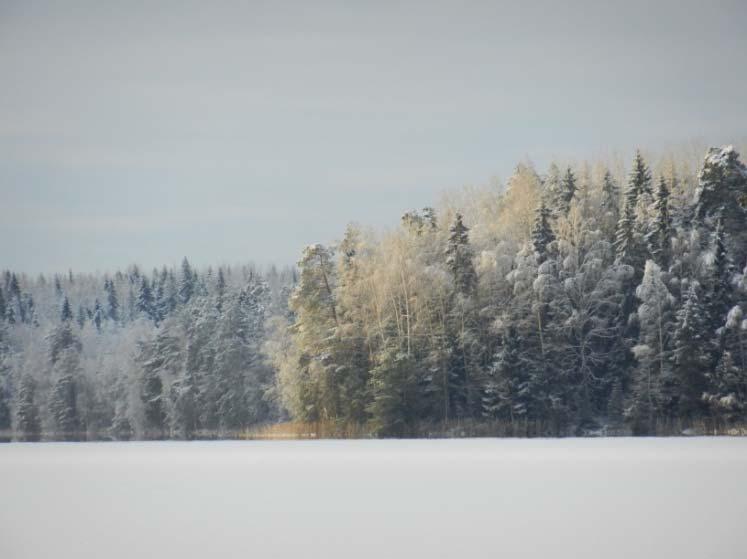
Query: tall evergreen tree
(112,300)
(690,354)
(459,257)
(660,235)
(187,282)
(542,234)
(28,426)
(145,304)
(610,205)
(721,196)
(567,190)
(66,315)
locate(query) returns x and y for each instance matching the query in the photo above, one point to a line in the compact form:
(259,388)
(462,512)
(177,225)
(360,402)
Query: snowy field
(669,498)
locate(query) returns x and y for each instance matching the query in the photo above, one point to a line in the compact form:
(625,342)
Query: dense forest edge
(586,300)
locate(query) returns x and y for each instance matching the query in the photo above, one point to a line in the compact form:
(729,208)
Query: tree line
(573,302)
(581,300)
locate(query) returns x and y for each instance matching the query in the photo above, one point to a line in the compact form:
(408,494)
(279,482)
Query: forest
(587,299)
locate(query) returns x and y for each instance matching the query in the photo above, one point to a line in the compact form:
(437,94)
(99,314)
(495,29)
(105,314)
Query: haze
(131,132)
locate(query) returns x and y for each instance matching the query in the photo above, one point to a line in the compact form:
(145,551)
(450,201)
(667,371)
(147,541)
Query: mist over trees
(584,299)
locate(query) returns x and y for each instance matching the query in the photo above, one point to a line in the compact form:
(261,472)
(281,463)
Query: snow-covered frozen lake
(572,498)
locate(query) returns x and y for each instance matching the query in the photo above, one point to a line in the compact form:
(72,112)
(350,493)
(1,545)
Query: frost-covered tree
(542,233)
(659,237)
(186,282)
(721,196)
(652,396)
(690,354)
(28,426)
(459,257)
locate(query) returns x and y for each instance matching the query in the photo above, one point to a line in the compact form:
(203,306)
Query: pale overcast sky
(229,131)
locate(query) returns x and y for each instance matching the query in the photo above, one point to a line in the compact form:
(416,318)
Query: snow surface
(574,498)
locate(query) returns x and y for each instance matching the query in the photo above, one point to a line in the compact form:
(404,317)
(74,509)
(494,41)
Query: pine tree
(3,308)
(459,257)
(542,234)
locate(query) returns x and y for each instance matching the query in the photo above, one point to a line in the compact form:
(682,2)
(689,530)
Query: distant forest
(586,300)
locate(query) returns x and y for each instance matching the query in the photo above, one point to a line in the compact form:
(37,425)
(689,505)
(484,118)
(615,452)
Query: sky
(142,132)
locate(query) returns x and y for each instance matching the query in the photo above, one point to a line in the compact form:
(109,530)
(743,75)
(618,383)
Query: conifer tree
(721,293)
(145,304)
(652,380)
(610,205)
(64,400)
(98,315)
(661,232)
(459,257)
(187,282)
(721,196)
(81,317)
(112,301)
(567,190)
(690,354)
(66,314)
(626,241)
(542,234)
(27,411)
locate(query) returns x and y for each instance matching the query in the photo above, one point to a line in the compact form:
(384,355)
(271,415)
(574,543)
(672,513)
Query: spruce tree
(652,381)
(64,400)
(187,282)
(567,190)
(610,206)
(3,309)
(626,241)
(66,315)
(721,294)
(640,176)
(28,427)
(145,304)
(98,315)
(459,257)
(391,386)
(661,232)
(542,234)
(690,354)
(721,195)
(112,301)
(81,317)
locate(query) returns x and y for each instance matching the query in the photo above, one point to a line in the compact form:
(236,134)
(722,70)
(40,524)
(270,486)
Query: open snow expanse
(573,498)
